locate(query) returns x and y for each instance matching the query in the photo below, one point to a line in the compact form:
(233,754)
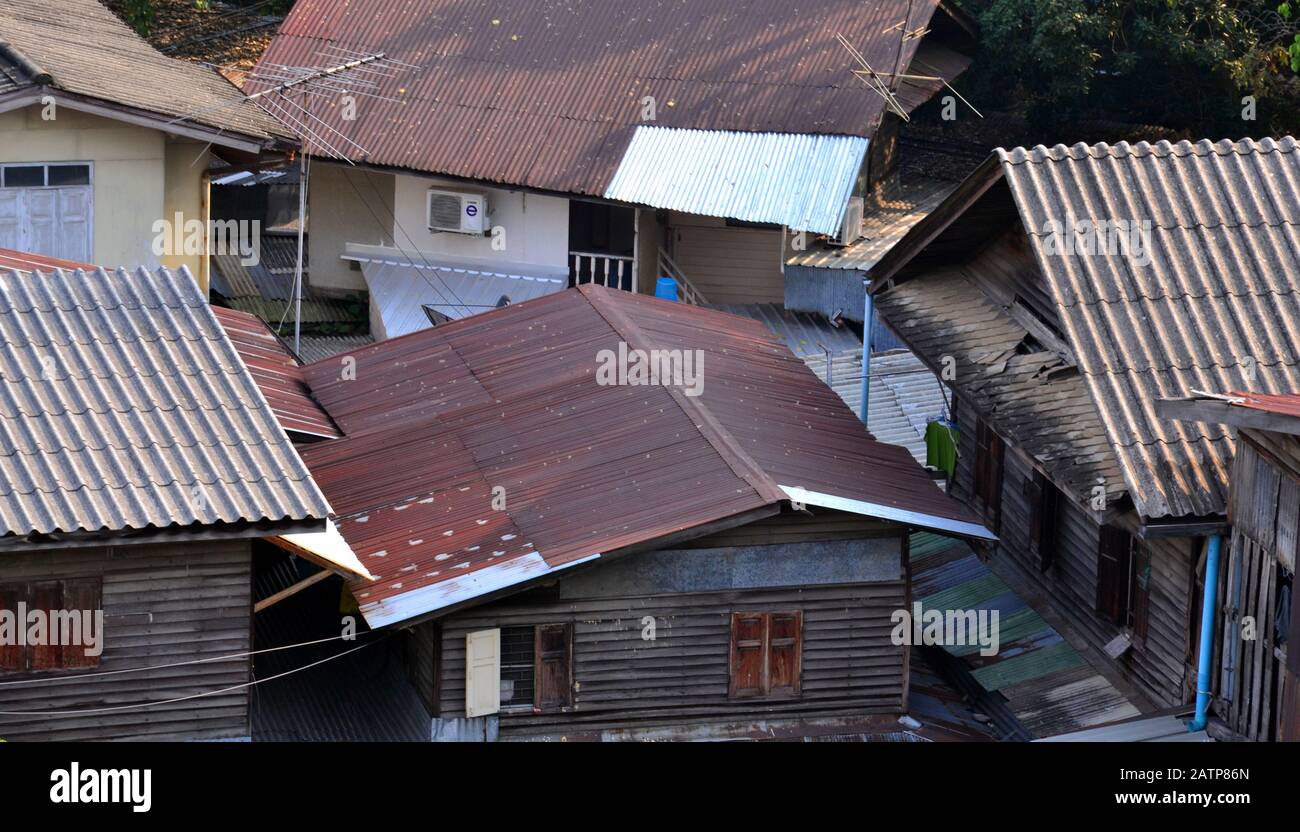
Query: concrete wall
(186,192)
(128,173)
(139,176)
(536,227)
(345,205)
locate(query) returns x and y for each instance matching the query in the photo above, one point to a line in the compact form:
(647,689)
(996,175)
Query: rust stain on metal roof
(547,96)
(485,452)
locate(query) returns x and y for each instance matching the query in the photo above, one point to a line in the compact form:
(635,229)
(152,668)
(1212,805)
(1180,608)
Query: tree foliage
(1182,64)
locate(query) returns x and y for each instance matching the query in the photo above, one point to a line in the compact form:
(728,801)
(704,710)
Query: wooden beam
(291,591)
(1218,412)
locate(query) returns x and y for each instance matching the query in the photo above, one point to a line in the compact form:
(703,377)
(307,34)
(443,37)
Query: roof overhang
(456,591)
(936,222)
(797,180)
(326,549)
(933,522)
(27,97)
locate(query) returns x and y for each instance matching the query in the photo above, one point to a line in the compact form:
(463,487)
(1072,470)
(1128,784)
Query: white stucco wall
(536,227)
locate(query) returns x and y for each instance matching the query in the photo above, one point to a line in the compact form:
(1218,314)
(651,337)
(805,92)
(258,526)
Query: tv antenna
(289,94)
(885,84)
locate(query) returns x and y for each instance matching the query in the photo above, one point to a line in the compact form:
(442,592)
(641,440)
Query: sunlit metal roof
(800,181)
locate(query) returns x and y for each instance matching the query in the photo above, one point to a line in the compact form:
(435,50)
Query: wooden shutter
(785,652)
(85,595)
(1044,503)
(1141,591)
(748,653)
(553,660)
(1113,551)
(766,654)
(47,596)
(989,452)
(12,656)
(482,672)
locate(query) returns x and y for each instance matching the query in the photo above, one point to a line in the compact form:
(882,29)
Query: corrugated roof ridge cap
(1163,148)
(741,463)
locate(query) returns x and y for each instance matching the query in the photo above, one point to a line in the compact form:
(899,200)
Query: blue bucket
(666,288)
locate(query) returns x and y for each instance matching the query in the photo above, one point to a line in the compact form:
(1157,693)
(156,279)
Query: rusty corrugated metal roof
(507,405)
(1283,404)
(1216,308)
(276,372)
(124,406)
(25,261)
(547,94)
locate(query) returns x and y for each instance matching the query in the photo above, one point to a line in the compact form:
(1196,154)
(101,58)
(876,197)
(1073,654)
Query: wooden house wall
(162,604)
(1158,666)
(621,681)
(1254,695)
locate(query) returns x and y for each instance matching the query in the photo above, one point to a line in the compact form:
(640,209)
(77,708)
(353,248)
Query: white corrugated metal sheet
(123,405)
(905,396)
(797,180)
(400,289)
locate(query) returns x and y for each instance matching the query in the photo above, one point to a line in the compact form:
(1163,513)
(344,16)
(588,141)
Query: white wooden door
(52,221)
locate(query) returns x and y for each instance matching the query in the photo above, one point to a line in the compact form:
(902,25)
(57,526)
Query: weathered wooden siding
(622,680)
(162,604)
(728,264)
(1252,696)
(1159,665)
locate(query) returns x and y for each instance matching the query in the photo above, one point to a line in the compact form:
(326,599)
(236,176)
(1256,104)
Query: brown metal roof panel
(276,373)
(446,423)
(786,419)
(754,67)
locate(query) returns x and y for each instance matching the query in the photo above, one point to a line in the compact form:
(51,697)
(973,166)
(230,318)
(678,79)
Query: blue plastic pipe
(868,318)
(1207,634)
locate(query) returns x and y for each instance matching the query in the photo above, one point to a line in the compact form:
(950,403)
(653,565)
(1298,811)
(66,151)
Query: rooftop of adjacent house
(1036,683)
(262,285)
(655,103)
(487,452)
(83,54)
(125,407)
(903,399)
(1199,295)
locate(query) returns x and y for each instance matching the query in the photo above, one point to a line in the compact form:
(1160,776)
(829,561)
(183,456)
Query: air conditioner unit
(458,212)
(851,227)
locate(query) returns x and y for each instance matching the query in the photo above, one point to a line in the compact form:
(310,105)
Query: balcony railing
(612,270)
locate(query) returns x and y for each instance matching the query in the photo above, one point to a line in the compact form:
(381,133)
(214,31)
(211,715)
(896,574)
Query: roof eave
(936,222)
(143,118)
